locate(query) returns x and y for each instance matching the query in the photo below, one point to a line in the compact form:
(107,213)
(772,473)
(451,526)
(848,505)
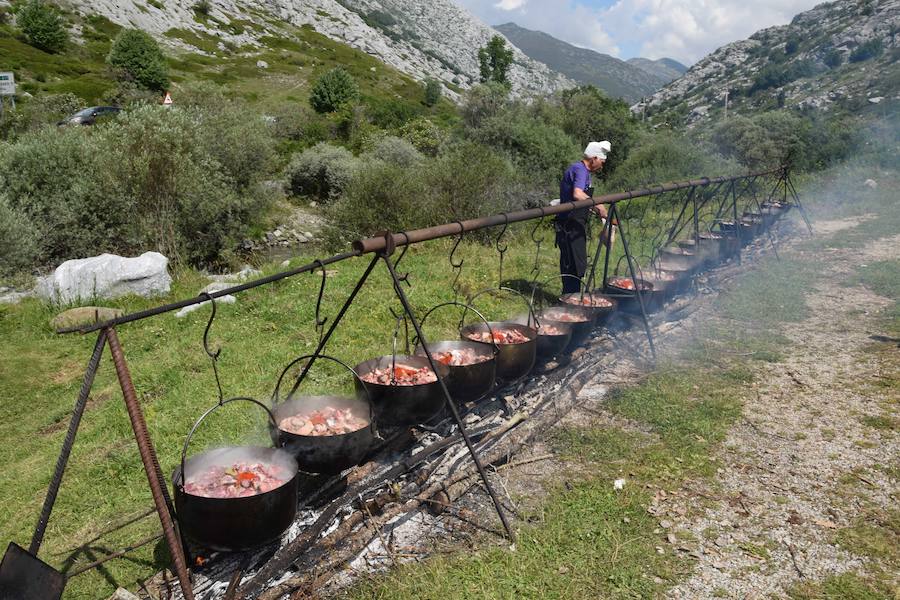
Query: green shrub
(871,49)
(482,102)
(202,7)
(322,172)
(40,111)
(833,58)
(432,92)
(422,133)
(184,203)
(333,90)
(772,76)
(396,151)
(19,246)
(61,181)
(587,114)
(536,148)
(136,56)
(43,27)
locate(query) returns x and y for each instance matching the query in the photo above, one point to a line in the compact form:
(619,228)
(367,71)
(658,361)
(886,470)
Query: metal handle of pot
(326,357)
(467,307)
(547,280)
(640,271)
(508,289)
(209,411)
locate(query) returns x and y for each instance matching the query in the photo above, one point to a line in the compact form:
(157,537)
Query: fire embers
(626,283)
(460,357)
(327,421)
(588,299)
(239,480)
(403,375)
(501,336)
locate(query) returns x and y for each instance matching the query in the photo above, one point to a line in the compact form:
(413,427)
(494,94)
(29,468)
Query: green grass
(847,586)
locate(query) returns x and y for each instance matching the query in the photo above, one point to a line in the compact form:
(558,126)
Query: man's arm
(599,209)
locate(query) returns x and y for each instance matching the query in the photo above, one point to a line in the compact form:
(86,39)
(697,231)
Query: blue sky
(685,30)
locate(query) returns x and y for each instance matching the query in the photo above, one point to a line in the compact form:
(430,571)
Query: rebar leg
(151,465)
(449,400)
(63,460)
(637,287)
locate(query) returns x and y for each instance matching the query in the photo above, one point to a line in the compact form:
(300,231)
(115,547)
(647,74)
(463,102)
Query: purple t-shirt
(576,176)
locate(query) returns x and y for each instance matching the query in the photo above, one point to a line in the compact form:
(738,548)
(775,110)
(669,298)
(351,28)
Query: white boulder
(107,276)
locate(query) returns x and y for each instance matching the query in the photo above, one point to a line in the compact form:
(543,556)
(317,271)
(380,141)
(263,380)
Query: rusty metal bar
(378,244)
(152,312)
(151,464)
(86,384)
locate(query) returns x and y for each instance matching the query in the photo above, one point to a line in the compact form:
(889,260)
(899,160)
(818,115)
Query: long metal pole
(447,398)
(151,464)
(63,460)
(637,286)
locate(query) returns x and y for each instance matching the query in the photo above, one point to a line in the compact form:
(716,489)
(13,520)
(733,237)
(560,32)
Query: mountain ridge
(630,80)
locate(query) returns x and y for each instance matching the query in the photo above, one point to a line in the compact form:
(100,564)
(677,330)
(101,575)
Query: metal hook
(214,356)
(505,247)
(320,322)
(404,277)
(536,269)
(456,265)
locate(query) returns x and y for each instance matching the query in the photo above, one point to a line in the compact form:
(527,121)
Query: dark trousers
(572,241)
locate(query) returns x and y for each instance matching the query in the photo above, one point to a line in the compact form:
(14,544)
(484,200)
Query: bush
(536,148)
(833,58)
(772,76)
(432,92)
(202,7)
(482,102)
(136,56)
(396,151)
(867,50)
(422,133)
(332,90)
(43,27)
(322,172)
(587,114)
(19,246)
(40,111)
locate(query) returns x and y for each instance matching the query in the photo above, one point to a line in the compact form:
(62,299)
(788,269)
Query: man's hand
(599,210)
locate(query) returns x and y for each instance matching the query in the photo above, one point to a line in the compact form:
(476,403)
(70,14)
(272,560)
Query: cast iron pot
(513,360)
(599,314)
(717,243)
(232,524)
(402,405)
(548,344)
(325,454)
(680,258)
(465,383)
(628,299)
(580,319)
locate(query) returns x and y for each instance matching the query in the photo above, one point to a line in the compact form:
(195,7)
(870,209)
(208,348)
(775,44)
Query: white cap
(597,149)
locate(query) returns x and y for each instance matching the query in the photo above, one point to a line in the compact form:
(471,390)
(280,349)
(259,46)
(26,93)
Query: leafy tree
(484,101)
(432,92)
(792,44)
(494,60)
(43,27)
(137,57)
(333,90)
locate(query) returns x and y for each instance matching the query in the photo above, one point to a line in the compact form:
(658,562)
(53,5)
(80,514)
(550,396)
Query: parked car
(89,116)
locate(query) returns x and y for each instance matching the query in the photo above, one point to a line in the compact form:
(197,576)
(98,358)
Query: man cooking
(571,227)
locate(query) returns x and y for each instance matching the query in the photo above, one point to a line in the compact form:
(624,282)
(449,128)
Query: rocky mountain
(840,55)
(423,38)
(666,69)
(630,80)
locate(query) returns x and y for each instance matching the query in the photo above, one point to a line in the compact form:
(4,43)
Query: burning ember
(566,317)
(501,336)
(240,480)
(327,421)
(460,357)
(625,283)
(587,300)
(403,375)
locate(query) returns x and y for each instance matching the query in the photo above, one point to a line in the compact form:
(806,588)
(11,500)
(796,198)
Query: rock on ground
(107,276)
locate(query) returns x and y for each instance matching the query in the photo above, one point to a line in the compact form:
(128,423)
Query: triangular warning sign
(167,100)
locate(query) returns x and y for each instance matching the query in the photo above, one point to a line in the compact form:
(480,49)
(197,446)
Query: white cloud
(510,4)
(685,30)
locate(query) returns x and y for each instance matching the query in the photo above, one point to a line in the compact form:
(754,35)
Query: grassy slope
(296,56)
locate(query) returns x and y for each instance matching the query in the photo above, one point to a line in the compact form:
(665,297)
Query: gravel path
(801,463)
